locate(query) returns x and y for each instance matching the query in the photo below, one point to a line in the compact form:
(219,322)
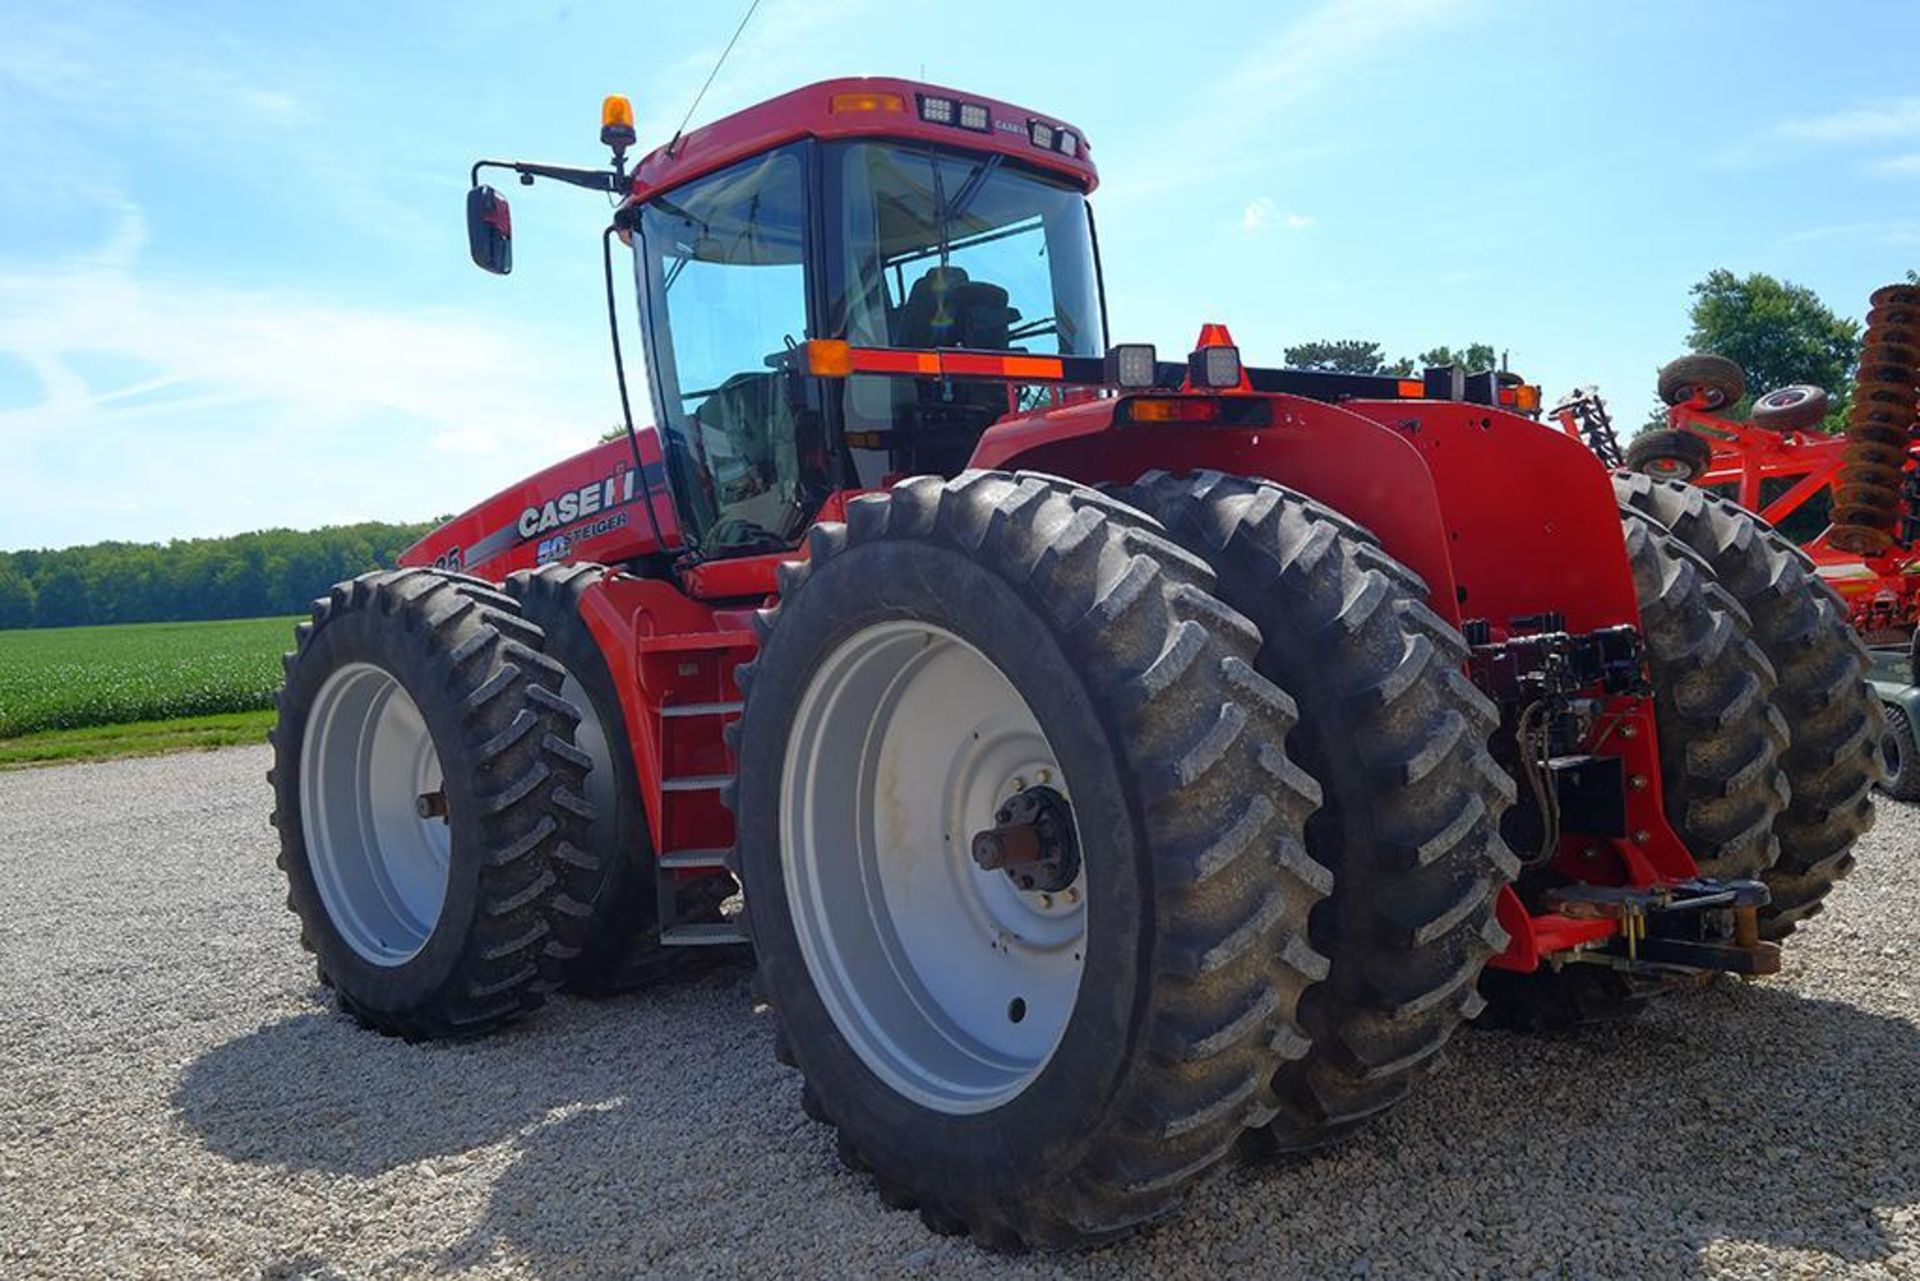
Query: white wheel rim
(365,762)
(948,981)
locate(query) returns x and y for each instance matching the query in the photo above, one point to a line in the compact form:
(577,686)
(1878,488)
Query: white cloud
(1888,120)
(1261,213)
(1907,166)
(246,407)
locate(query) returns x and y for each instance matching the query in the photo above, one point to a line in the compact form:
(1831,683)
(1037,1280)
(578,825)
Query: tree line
(1779,332)
(275,571)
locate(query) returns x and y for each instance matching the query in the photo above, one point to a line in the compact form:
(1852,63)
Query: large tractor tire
(1396,736)
(620,949)
(1832,717)
(1047,1053)
(1721,743)
(431,804)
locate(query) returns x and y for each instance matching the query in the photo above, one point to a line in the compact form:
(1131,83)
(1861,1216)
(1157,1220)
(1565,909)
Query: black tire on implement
(1198,873)
(1902,782)
(1671,453)
(1831,714)
(1721,743)
(1793,408)
(1396,736)
(620,947)
(519,872)
(1719,382)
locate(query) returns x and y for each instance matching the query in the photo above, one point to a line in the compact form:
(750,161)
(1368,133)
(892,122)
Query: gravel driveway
(177,1097)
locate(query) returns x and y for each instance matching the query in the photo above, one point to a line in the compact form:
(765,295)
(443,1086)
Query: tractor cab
(875,216)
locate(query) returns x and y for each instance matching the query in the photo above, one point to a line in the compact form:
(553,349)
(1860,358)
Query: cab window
(725,257)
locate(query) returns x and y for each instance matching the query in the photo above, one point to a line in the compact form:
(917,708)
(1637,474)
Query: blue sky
(234,289)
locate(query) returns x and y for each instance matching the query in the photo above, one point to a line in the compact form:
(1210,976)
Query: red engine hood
(587,507)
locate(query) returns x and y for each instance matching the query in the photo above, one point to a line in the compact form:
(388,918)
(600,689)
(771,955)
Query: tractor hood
(587,507)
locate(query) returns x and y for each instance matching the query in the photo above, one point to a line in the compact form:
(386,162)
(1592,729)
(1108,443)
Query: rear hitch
(1699,925)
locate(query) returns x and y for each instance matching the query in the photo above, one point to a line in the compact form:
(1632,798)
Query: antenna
(695,106)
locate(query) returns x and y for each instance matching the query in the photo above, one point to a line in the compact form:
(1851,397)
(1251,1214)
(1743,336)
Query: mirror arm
(607,180)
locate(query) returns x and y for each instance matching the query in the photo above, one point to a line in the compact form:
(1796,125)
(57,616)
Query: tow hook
(1033,843)
(1699,925)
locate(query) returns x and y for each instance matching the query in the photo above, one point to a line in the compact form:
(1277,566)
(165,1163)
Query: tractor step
(700,709)
(703,934)
(713,860)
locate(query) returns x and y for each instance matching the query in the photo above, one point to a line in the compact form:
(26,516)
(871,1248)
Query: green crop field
(69,678)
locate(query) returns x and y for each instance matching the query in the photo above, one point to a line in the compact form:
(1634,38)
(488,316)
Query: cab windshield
(931,248)
(922,248)
(943,249)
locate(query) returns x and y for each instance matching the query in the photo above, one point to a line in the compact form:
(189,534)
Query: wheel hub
(1034,842)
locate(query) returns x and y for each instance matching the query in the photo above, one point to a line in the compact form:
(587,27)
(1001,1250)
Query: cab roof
(863,107)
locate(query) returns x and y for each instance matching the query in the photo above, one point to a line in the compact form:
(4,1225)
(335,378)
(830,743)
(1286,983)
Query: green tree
(276,571)
(1358,356)
(1473,357)
(1339,356)
(17,597)
(1779,332)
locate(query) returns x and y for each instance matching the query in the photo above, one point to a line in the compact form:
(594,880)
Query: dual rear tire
(1044,1065)
(1056,1064)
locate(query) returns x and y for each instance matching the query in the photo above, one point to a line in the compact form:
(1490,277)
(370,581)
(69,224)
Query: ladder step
(700,709)
(703,934)
(696,783)
(715,859)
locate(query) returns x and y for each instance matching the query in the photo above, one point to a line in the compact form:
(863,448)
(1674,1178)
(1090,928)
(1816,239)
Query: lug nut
(1638,782)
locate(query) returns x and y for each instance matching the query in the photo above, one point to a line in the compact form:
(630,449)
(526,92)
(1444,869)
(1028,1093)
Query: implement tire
(409,685)
(1396,736)
(620,946)
(981,635)
(1902,782)
(1721,742)
(1833,719)
(1718,382)
(1671,453)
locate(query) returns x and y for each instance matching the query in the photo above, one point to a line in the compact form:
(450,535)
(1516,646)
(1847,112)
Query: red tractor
(1107,758)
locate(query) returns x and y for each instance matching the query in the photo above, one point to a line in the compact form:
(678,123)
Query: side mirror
(490,230)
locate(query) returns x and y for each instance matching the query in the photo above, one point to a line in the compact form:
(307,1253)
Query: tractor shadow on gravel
(656,1134)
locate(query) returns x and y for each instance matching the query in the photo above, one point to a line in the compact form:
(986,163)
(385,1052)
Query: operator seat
(947,309)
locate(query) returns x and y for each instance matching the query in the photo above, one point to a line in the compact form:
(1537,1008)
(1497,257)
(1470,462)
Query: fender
(1366,472)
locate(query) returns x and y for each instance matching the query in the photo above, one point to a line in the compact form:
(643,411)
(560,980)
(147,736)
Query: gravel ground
(177,1097)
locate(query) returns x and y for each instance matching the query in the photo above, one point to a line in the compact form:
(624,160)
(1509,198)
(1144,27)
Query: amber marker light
(845,102)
